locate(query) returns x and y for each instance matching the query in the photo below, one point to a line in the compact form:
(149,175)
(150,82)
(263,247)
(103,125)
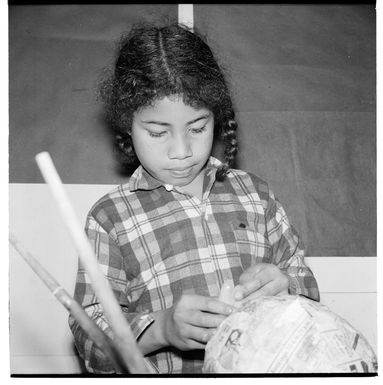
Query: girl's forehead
(171,106)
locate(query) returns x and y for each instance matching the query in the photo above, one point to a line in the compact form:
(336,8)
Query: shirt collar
(142,180)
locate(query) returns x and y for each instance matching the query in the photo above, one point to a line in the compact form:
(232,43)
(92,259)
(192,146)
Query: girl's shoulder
(109,202)
(249,181)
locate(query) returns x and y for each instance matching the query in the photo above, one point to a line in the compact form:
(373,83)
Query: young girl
(185,222)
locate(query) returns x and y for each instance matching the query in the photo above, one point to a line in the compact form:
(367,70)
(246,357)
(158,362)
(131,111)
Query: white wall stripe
(185,15)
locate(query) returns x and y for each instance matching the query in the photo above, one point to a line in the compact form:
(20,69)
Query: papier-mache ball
(287,334)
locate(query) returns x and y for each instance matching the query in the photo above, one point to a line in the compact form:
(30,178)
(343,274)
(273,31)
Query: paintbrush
(124,339)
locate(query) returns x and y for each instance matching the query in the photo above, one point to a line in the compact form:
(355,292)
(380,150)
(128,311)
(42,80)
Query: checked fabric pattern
(154,243)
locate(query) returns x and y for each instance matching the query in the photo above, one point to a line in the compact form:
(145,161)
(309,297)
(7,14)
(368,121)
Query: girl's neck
(195,187)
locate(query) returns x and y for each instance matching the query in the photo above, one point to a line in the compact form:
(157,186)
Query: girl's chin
(181,182)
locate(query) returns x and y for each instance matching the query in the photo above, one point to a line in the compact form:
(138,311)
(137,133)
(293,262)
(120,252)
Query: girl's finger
(198,336)
(207,304)
(206,320)
(252,272)
(256,283)
(271,288)
(265,290)
(215,306)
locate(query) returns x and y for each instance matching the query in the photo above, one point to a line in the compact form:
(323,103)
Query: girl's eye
(198,130)
(154,134)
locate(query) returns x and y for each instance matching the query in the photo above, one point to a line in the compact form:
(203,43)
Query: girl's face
(173,141)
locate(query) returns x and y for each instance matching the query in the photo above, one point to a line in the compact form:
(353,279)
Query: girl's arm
(111,263)
(287,251)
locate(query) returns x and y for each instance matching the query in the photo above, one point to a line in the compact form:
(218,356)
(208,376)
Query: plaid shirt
(155,243)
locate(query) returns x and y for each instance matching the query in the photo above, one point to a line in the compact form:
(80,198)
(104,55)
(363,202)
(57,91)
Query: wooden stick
(123,335)
(78,313)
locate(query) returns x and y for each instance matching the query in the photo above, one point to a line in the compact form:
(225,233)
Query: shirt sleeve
(111,263)
(287,251)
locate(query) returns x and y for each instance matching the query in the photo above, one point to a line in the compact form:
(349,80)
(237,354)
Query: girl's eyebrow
(198,119)
(168,124)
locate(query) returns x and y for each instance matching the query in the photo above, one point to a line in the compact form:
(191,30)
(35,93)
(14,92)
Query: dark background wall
(303,80)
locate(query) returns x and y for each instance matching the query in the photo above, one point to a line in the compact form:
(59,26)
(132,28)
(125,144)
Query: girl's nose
(180,148)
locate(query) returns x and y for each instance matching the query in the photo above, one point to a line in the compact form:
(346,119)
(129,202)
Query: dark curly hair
(158,61)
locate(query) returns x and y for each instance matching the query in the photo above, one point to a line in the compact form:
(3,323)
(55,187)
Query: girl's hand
(261,279)
(192,320)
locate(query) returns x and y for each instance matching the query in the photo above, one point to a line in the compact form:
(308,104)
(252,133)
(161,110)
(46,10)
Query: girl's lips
(180,169)
(181,172)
